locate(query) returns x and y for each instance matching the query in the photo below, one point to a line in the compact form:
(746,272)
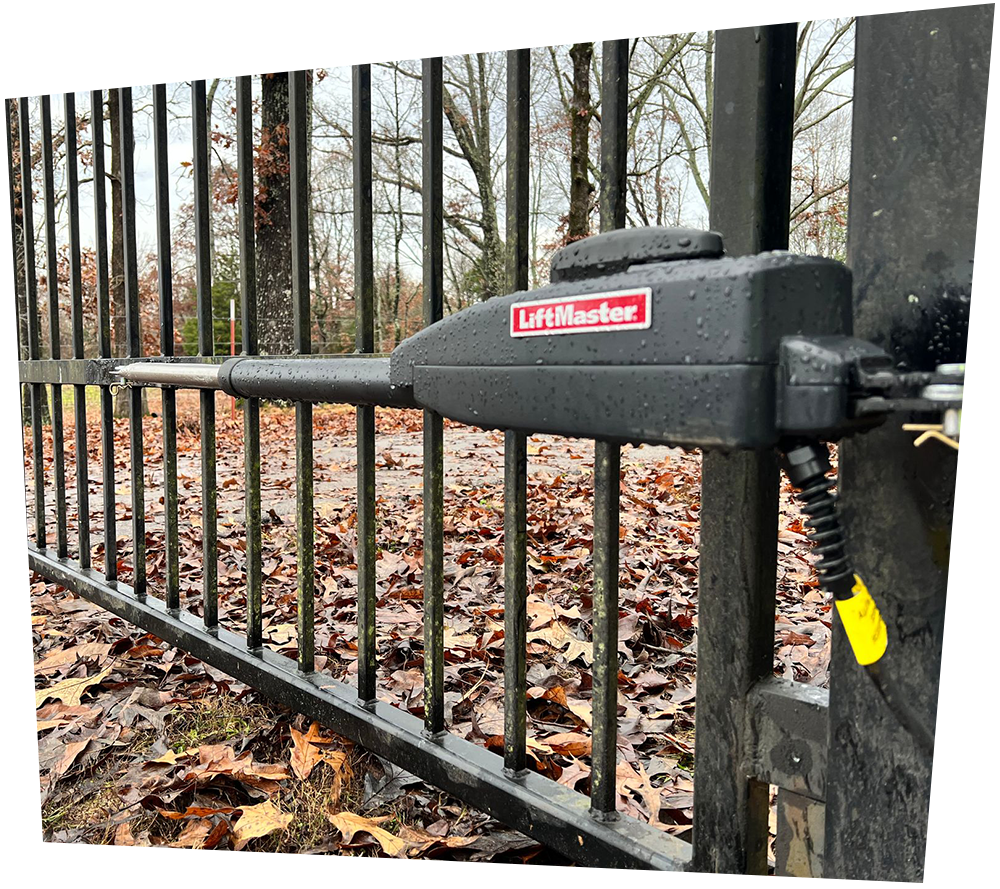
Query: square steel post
(919,113)
(751,184)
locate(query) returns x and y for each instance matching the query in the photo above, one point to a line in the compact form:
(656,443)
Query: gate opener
(651,335)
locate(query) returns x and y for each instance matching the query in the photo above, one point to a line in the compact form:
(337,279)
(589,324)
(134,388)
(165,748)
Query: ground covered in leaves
(141,744)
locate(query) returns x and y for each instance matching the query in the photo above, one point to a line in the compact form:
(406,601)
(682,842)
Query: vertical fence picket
(104,334)
(76,315)
(433,273)
(17,251)
(55,349)
(164,277)
(206,347)
(36,393)
(515,532)
(298,109)
(10,114)
(752,146)
(364,295)
(607,458)
(133,338)
(248,320)
(614,133)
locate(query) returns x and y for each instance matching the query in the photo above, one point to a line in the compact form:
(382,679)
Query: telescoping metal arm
(342,380)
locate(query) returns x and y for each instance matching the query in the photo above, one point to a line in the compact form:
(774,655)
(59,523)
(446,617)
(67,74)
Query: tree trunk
(494,257)
(580,112)
(274,233)
(472,131)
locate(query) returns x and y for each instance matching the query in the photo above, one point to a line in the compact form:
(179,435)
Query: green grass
(93,398)
(213,722)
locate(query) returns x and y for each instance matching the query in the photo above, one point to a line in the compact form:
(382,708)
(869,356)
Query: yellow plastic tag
(864,625)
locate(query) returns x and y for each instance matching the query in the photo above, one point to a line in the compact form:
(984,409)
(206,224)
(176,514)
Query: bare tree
(273,250)
(676,88)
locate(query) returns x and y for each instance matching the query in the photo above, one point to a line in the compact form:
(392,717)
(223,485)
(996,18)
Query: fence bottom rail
(554,815)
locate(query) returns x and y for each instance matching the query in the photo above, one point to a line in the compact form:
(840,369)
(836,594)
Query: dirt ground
(141,744)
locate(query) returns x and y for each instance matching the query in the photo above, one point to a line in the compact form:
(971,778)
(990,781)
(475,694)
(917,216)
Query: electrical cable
(807,465)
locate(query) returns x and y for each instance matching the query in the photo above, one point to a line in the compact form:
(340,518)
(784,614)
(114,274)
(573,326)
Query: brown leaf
(349,824)
(572,743)
(337,760)
(421,841)
(574,773)
(72,751)
(57,713)
(144,651)
(558,636)
(259,821)
(196,812)
(123,835)
(69,656)
(304,754)
(69,691)
(194,834)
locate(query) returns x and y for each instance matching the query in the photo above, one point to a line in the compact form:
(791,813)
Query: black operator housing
(739,352)
(644,335)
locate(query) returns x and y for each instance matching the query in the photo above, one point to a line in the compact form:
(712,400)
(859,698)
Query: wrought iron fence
(753,730)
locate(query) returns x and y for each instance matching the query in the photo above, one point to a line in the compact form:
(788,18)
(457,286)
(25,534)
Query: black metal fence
(753,729)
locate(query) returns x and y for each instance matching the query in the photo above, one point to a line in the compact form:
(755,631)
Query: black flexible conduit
(807,465)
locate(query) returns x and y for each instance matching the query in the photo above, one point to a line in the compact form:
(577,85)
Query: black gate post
(750,193)
(919,109)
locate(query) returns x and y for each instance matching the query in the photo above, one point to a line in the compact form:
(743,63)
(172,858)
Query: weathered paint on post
(52,273)
(751,182)
(298,110)
(607,462)
(104,333)
(133,340)
(206,347)
(248,320)
(433,245)
(165,286)
(916,159)
(76,318)
(364,297)
(515,449)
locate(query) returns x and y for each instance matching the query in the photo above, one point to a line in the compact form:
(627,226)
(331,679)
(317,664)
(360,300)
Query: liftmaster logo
(592,313)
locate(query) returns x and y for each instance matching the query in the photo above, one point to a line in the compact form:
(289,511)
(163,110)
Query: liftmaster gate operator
(651,335)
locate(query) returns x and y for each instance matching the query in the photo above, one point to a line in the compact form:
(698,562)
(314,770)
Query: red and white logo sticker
(592,313)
